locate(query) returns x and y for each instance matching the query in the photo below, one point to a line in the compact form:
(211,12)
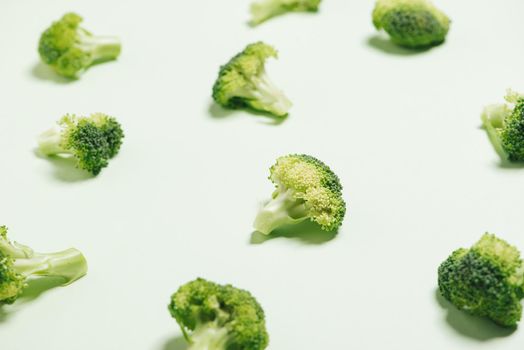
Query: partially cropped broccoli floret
(91,140)
(485,280)
(265,9)
(70,49)
(411,23)
(219,317)
(305,189)
(504,124)
(18,263)
(243,82)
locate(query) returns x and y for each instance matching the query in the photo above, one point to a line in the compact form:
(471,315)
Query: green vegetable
(411,23)
(504,124)
(219,317)
(91,140)
(243,83)
(263,10)
(18,263)
(305,189)
(485,280)
(71,49)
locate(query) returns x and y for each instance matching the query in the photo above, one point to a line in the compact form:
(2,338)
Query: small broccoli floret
(219,317)
(265,9)
(91,140)
(18,263)
(504,124)
(243,82)
(305,189)
(411,23)
(70,49)
(486,280)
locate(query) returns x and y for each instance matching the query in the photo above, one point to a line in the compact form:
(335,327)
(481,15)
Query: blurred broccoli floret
(70,49)
(91,140)
(18,263)
(243,82)
(504,124)
(306,188)
(219,317)
(411,23)
(485,280)
(263,10)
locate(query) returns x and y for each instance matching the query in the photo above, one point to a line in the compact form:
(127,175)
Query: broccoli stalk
(283,209)
(263,10)
(504,124)
(18,263)
(218,317)
(91,140)
(244,83)
(306,188)
(70,49)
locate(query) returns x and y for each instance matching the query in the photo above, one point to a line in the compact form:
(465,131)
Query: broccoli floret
(485,280)
(263,10)
(70,49)
(243,82)
(91,140)
(306,188)
(411,23)
(219,317)
(18,263)
(504,124)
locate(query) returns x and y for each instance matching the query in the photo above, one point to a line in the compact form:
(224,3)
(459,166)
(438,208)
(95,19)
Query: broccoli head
(219,317)
(18,263)
(71,49)
(306,188)
(243,83)
(411,23)
(486,280)
(504,124)
(265,9)
(91,140)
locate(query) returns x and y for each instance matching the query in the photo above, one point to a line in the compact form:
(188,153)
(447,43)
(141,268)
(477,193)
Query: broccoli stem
(282,210)
(267,96)
(262,11)
(68,264)
(492,119)
(101,48)
(208,337)
(49,143)
(106,48)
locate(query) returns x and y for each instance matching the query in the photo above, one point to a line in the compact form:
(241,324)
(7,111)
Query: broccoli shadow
(218,112)
(306,232)
(479,328)
(380,43)
(42,71)
(176,343)
(34,289)
(65,168)
(506,164)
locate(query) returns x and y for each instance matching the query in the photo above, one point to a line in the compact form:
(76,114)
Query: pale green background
(400,129)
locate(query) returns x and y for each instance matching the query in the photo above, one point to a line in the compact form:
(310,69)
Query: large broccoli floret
(306,188)
(486,280)
(265,9)
(504,124)
(411,23)
(70,49)
(219,317)
(243,82)
(91,140)
(18,263)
